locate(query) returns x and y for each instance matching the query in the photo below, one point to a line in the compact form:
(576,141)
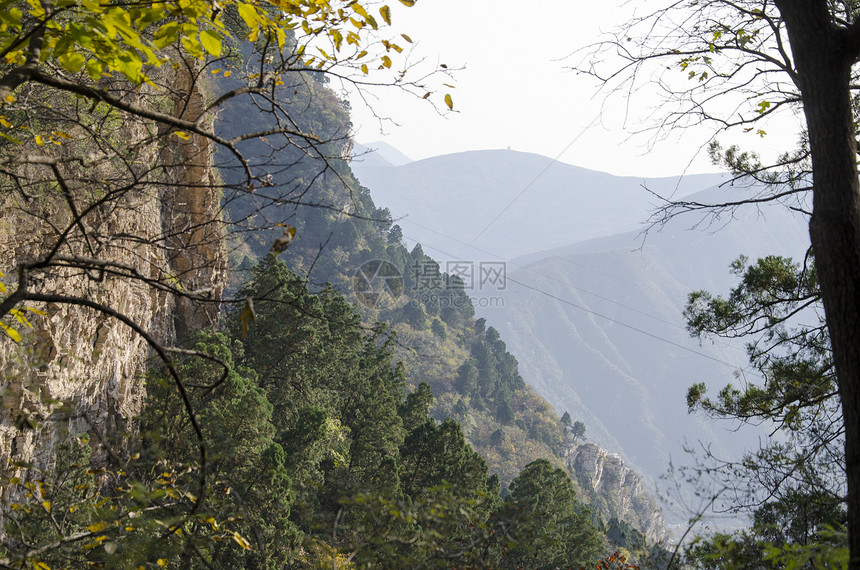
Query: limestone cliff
(614,489)
(148,215)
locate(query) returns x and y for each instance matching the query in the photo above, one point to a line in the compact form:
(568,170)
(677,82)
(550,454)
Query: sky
(516,90)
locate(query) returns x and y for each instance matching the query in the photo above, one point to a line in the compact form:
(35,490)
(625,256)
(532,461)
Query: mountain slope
(598,328)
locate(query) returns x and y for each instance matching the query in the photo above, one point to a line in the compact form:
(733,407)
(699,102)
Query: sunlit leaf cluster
(103,38)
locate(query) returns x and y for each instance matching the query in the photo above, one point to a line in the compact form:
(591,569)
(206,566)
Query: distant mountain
(377,154)
(492,204)
(591,310)
(598,331)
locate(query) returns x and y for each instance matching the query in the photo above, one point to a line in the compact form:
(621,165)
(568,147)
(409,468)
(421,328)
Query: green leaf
(166,35)
(72,61)
(131,67)
(192,46)
(95,69)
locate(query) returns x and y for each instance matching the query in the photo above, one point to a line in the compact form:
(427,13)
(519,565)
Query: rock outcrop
(618,489)
(78,369)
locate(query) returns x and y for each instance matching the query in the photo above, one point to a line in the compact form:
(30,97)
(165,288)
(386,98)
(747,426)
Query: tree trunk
(823,56)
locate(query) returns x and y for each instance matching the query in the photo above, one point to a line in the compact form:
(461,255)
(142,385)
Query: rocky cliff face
(616,488)
(190,214)
(78,369)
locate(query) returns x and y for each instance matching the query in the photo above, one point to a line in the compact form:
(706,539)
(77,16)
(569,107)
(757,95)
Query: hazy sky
(517,92)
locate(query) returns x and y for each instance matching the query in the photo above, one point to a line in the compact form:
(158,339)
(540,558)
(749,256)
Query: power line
(560,281)
(622,324)
(600,315)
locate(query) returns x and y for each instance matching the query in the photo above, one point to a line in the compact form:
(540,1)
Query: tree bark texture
(824,54)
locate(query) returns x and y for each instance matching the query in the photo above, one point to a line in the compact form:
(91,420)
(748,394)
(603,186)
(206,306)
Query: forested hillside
(338,231)
(304,429)
(610,313)
(473,378)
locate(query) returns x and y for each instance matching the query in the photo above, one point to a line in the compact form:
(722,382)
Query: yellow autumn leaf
(39,140)
(359,10)
(449,101)
(247,315)
(12,333)
(385,12)
(97,526)
(162,562)
(249,14)
(241,541)
(211,42)
(10,98)
(19,315)
(182,134)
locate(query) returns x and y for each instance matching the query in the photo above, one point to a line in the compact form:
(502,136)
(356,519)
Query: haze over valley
(592,306)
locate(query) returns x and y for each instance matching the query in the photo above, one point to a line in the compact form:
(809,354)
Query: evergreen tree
(559,532)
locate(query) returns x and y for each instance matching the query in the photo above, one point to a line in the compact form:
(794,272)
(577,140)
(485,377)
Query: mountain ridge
(507,203)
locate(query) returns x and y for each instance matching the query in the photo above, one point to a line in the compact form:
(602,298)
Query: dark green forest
(317,457)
